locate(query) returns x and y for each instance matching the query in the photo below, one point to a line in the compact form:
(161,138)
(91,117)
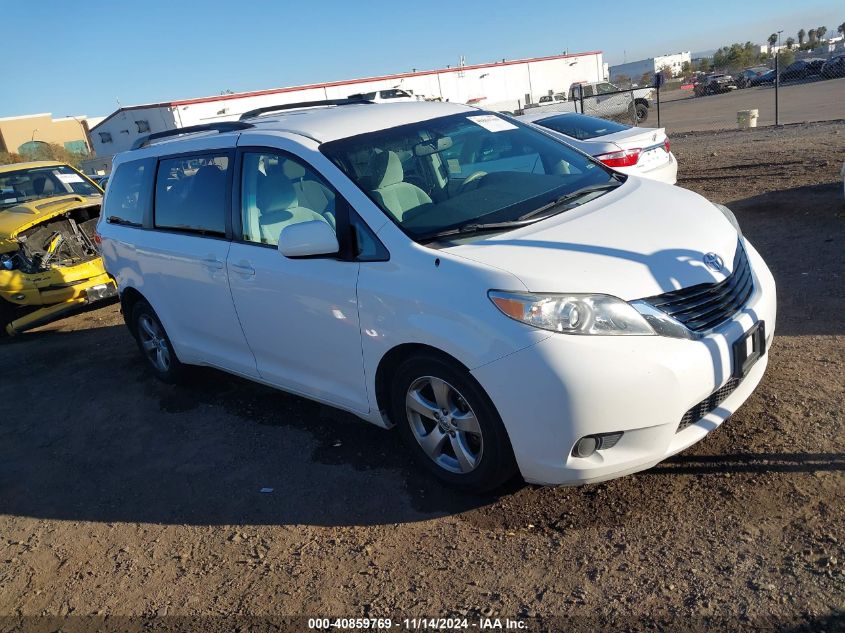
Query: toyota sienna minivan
(508,303)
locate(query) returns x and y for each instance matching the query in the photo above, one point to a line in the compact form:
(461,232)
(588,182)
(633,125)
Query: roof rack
(302,104)
(223,126)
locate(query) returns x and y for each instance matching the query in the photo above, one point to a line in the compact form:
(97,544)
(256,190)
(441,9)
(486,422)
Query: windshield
(463,169)
(581,126)
(34,183)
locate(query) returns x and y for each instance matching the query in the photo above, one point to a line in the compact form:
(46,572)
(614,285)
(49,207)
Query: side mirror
(306,239)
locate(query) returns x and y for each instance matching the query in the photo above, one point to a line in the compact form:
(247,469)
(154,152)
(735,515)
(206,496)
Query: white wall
(496,87)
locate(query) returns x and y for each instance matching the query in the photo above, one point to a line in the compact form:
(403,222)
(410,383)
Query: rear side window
(581,126)
(191,194)
(129,192)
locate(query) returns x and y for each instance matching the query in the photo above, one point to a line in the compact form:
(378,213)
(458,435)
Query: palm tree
(820,31)
(773,39)
(790,42)
(841,28)
(812,35)
(801,35)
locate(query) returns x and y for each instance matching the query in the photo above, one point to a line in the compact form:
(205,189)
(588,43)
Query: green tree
(790,42)
(785,58)
(841,29)
(666,71)
(812,35)
(801,35)
(686,69)
(704,65)
(820,31)
(773,39)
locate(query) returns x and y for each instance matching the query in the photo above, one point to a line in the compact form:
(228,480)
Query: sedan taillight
(666,145)
(625,158)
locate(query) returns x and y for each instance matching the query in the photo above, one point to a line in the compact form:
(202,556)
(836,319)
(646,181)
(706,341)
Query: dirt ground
(121,496)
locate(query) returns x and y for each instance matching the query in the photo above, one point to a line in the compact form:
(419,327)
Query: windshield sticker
(492,123)
(69,178)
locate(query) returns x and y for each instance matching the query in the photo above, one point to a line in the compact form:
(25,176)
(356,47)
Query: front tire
(450,424)
(155,345)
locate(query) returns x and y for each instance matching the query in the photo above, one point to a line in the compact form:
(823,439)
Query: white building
(635,70)
(503,85)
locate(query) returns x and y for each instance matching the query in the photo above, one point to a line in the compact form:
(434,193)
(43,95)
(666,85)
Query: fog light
(589,444)
(585,447)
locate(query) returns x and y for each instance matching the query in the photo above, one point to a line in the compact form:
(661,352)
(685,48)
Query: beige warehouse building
(23,134)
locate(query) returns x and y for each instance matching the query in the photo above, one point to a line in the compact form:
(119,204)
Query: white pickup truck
(602,99)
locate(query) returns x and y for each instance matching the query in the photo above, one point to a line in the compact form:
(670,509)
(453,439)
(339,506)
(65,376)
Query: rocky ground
(120,496)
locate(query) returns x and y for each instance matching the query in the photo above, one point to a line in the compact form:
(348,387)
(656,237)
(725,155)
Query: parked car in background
(601,99)
(802,69)
(834,67)
(99,180)
(631,150)
(714,84)
(540,313)
(49,261)
(764,79)
(750,76)
(391,95)
(549,99)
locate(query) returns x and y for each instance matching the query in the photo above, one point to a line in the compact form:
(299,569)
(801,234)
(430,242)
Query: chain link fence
(794,88)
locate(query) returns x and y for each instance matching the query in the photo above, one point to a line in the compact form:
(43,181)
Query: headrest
(42,185)
(293,170)
(385,169)
(275,193)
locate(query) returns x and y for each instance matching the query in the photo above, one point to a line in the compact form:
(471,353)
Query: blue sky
(81,58)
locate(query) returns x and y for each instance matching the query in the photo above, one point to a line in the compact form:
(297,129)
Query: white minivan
(506,301)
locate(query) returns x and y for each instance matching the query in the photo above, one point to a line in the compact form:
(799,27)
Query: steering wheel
(474,177)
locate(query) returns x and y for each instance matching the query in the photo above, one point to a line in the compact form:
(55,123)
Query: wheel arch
(395,357)
(129,298)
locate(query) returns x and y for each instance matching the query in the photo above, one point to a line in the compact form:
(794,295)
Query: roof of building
(259,93)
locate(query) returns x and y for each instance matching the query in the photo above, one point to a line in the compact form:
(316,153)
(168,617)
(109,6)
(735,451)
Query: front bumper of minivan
(566,387)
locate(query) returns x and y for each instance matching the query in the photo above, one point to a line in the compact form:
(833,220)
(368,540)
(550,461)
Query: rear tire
(449,423)
(154,344)
(641,112)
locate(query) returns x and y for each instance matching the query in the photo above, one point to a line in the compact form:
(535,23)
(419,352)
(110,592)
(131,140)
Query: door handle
(212,263)
(243,268)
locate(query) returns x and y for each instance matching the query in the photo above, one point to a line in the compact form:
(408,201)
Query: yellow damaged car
(49,260)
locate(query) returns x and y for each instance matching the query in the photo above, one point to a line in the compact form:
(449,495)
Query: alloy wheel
(154,343)
(444,424)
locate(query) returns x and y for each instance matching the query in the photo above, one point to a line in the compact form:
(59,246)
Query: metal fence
(810,88)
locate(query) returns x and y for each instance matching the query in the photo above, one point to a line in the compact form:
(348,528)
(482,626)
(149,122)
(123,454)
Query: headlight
(572,314)
(729,216)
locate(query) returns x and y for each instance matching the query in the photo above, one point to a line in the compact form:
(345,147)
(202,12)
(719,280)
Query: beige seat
(389,188)
(310,193)
(279,207)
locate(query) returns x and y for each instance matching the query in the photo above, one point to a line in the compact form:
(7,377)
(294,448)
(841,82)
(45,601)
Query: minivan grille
(708,404)
(704,306)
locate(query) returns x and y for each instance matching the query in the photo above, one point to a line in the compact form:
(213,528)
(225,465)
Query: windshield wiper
(569,197)
(477,227)
(113,219)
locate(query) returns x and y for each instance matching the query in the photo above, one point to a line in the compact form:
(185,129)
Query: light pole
(777,79)
(32,138)
(84,127)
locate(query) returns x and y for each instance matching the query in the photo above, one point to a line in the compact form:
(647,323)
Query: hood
(26,215)
(642,239)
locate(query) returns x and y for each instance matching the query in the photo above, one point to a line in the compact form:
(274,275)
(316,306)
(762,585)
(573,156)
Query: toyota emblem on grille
(713,261)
